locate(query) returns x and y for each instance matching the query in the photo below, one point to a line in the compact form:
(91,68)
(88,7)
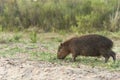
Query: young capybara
(89,45)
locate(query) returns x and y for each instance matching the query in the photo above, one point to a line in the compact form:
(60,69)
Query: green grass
(88,61)
(45,49)
(33,37)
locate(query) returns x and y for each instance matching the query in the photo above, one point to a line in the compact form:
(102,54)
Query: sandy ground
(20,68)
(23,69)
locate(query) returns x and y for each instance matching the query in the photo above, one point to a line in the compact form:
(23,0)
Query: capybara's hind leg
(106,58)
(105,55)
(113,55)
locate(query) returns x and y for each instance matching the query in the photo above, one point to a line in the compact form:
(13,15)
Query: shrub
(33,37)
(55,15)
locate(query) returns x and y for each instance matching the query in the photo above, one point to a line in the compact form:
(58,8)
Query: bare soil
(21,68)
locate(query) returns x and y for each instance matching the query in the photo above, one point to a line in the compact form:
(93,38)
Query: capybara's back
(88,45)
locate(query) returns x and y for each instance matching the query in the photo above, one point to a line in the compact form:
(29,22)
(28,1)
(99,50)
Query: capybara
(88,45)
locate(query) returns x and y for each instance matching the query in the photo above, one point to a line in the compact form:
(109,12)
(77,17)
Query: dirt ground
(21,68)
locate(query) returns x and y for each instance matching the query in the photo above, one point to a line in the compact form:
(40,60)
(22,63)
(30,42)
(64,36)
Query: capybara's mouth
(60,57)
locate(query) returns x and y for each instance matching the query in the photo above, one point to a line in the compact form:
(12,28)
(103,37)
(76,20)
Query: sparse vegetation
(33,37)
(31,30)
(17,37)
(46,51)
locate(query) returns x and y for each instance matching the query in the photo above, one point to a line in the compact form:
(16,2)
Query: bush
(48,15)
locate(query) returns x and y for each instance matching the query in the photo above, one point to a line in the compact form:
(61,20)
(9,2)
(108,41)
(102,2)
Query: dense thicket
(70,15)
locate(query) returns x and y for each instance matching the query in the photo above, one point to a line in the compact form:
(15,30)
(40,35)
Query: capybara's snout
(60,57)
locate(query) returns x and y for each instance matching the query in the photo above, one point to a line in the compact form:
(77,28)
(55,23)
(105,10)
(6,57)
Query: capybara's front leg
(74,57)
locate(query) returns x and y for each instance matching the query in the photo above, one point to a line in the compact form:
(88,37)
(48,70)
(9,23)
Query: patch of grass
(62,32)
(17,37)
(50,42)
(115,35)
(4,40)
(43,56)
(33,37)
(10,37)
(10,51)
(88,61)
(95,62)
(113,66)
(100,63)
(57,39)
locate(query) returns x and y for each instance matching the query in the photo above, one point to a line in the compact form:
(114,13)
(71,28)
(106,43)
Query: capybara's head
(62,51)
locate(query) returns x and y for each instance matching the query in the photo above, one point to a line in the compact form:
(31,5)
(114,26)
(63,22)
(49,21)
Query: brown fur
(88,45)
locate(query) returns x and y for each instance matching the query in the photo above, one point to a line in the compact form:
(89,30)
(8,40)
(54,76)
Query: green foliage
(86,23)
(89,61)
(44,56)
(113,66)
(52,15)
(8,38)
(1,28)
(33,37)
(17,37)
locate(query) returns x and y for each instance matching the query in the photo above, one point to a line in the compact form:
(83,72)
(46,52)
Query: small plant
(33,37)
(113,66)
(17,37)
(57,39)
(1,28)
(44,56)
(10,38)
(62,32)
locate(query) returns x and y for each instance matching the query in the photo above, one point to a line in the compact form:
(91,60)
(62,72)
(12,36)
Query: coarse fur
(88,45)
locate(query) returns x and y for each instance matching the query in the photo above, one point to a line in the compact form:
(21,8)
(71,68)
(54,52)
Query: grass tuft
(33,37)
